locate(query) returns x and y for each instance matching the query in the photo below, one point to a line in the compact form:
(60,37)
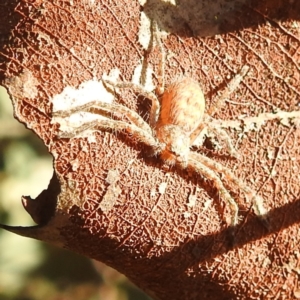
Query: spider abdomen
(182,104)
(182,109)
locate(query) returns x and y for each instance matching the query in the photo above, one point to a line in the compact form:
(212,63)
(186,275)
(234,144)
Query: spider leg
(117,110)
(162,56)
(232,85)
(256,200)
(196,164)
(155,107)
(143,136)
(222,135)
(145,61)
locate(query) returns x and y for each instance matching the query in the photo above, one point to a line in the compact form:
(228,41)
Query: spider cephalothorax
(175,121)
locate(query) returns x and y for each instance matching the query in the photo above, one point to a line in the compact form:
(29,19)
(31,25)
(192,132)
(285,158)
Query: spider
(177,117)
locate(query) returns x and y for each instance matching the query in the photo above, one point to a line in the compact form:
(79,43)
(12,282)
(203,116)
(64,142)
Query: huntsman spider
(176,118)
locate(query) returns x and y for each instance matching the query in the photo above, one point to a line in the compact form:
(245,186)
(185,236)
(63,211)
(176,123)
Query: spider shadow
(195,252)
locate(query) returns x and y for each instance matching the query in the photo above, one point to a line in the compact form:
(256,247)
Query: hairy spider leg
(114,109)
(231,86)
(256,200)
(154,40)
(195,163)
(155,105)
(114,125)
(139,128)
(222,135)
(162,57)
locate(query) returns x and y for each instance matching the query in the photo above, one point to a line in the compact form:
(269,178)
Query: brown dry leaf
(170,249)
